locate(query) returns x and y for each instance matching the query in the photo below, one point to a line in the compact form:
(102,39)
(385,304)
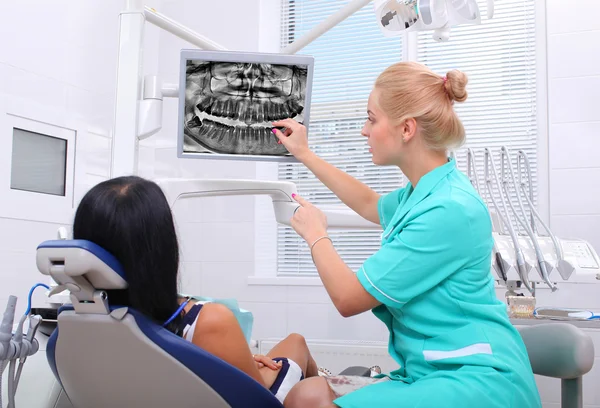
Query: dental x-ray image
(230,106)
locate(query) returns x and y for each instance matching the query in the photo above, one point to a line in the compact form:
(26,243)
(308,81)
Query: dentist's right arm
(356,195)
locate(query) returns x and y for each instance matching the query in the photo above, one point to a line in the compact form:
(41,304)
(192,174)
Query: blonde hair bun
(412,90)
(456,85)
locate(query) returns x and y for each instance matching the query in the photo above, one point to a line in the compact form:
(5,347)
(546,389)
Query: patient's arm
(218,332)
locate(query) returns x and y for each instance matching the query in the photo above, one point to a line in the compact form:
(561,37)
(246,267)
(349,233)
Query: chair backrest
(111,356)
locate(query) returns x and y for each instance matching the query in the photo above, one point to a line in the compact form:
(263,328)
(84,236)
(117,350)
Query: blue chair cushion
(234,386)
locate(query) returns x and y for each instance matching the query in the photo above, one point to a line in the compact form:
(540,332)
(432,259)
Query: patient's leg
(310,393)
(294,347)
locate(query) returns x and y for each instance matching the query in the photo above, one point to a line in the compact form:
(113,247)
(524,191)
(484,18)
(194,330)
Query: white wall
(574,117)
(573,47)
(61,55)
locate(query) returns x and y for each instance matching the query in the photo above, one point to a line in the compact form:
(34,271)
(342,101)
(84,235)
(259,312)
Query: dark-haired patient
(130,218)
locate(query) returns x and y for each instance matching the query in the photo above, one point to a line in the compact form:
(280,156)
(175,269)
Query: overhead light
(395,17)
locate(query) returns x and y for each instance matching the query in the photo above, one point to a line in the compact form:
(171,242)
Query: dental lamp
(395,17)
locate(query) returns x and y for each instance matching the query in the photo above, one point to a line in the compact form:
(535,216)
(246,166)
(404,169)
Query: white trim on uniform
(479,348)
(379,290)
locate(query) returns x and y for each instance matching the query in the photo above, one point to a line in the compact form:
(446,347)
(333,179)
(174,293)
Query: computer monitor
(228,101)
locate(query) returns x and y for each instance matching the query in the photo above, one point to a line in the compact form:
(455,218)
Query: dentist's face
(380,138)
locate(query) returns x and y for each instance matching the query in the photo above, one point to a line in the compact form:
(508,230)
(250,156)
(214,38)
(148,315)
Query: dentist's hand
(308,221)
(294,139)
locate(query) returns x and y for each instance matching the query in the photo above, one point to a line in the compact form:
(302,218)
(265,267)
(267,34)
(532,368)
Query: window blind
(499,59)
(348,59)
(498,56)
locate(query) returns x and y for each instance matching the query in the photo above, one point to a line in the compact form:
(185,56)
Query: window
(348,59)
(498,56)
(38,171)
(38,163)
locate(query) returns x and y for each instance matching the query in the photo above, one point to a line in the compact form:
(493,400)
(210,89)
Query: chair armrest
(558,350)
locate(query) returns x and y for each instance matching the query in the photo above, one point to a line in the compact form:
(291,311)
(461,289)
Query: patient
(131,219)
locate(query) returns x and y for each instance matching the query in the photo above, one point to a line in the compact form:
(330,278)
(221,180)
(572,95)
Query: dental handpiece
(538,253)
(34,324)
(565,269)
(521,267)
(474,179)
(6,347)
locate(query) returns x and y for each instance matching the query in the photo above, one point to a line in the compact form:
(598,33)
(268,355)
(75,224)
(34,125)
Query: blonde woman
(430,281)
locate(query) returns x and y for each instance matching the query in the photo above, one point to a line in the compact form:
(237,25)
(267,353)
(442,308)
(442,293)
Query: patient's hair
(130,218)
(412,90)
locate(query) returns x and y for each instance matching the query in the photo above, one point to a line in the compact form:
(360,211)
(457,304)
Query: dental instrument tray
(557,313)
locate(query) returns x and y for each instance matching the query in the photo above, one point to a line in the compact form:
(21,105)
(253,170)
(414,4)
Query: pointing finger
(300,200)
(279,136)
(289,123)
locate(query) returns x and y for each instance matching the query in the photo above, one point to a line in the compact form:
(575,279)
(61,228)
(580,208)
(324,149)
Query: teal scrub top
(432,276)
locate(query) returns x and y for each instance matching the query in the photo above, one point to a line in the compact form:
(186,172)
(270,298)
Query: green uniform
(449,333)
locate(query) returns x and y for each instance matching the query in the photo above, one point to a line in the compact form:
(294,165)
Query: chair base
(572,393)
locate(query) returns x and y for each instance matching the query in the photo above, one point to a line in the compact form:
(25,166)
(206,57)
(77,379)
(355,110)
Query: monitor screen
(229,100)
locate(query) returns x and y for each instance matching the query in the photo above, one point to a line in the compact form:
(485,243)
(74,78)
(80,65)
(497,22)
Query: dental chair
(106,355)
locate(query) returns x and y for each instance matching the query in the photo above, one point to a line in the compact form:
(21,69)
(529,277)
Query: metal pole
(129,84)
(181,31)
(572,393)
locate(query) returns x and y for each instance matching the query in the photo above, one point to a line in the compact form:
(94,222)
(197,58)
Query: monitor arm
(338,217)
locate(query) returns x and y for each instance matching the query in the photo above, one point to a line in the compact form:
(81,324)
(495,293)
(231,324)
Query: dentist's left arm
(347,293)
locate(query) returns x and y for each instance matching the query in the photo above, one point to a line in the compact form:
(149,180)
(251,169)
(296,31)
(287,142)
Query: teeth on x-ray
(229,107)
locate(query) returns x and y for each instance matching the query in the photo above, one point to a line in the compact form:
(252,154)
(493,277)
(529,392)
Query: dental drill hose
(32,345)
(17,347)
(565,269)
(538,253)
(7,348)
(3,364)
(11,384)
(20,350)
(505,219)
(474,179)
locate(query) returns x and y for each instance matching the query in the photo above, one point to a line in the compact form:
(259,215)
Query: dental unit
(81,354)
(523,256)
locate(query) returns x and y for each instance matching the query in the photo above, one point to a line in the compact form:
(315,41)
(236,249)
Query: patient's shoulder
(214,317)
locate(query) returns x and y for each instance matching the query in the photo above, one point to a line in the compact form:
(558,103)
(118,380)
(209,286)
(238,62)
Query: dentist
(430,281)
